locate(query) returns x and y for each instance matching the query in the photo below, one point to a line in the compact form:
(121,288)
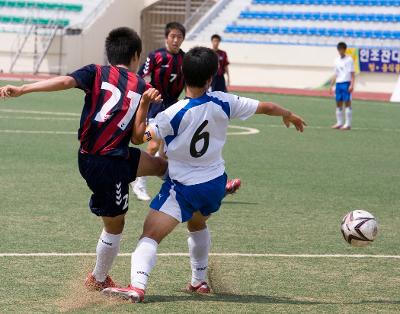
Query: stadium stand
(308,22)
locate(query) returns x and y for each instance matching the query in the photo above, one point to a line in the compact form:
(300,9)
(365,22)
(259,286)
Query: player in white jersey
(194,131)
(344,78)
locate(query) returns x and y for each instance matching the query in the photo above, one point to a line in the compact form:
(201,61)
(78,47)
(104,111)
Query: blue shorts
(342,92)
(181,201)
(218,84)
(108,178)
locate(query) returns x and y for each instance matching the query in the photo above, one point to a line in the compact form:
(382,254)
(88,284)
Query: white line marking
(41,112)
(328,128)
(37,118)
(246,131)
(37,132)
(211,254)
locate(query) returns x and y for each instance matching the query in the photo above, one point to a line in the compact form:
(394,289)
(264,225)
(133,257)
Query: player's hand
(351,88)
(10,91)
(331,90)
(296,120)
(152,95)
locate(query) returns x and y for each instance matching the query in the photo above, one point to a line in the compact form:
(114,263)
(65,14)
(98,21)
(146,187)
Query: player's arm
(228,76)
(288,117)
(139,127)
(333,81)
(148,66)
(50,85)
(353,79)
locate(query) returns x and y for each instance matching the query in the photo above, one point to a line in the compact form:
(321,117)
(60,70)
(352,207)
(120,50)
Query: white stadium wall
(76,50)
(291,67)
(89,46)
(251,64)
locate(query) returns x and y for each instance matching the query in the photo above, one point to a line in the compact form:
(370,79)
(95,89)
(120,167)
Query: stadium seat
(320,16)
(36,21)
(41,5)
(303,31)
(386,3)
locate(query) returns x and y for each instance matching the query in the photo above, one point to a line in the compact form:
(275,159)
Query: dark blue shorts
(108,178)
(218,84)
(181,201)
(342,92)
(155,109)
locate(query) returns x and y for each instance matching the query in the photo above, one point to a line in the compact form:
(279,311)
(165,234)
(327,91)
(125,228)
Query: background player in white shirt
(344,78)
(194,131)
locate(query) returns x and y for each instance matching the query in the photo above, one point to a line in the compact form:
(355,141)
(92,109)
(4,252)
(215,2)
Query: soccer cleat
(336,126)
(232,186)
(92,284)
(346,128)
(140,192)
(201,288)
(135,295)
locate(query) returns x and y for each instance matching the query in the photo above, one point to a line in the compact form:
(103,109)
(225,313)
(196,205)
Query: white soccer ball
(359,228)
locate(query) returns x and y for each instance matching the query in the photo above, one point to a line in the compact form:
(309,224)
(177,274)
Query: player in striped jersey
(194,130)
(164,66)
(114,114)
(219,83)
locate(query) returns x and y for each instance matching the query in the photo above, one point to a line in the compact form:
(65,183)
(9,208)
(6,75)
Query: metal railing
(154,18)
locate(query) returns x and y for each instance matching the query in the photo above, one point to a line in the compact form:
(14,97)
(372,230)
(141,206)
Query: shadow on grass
(256,299)
(239,203)
(229,298)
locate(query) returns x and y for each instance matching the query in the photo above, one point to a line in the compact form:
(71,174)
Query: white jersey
(194,131)
(343,69)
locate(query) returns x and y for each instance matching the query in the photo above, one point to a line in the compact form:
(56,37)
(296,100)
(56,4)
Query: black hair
(216,36)
(174,25)
(341,45)
(199,65)
(122,44)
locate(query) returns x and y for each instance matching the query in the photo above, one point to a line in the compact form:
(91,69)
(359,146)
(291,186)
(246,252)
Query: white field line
(246,131)
(211,254)
(73,114)
(38,118)
(38,132)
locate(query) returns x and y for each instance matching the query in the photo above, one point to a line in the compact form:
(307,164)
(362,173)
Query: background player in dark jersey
(219,82)
(114,113)
(164,66)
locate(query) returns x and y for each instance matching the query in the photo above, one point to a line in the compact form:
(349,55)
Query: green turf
(296,188)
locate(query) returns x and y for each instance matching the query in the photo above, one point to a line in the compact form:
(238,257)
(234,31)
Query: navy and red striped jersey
(112,98)
(165,69)
(223,62)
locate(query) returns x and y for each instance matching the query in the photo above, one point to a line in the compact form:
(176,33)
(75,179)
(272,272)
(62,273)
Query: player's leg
(156,227)
(199,243)
(339,106)
(348,113)
(139,187)
(150,163)
(339,115)
(106,251)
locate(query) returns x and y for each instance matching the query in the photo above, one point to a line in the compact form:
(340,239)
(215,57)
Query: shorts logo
(119,197)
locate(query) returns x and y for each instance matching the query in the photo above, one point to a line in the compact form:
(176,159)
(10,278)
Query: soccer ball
(359,228)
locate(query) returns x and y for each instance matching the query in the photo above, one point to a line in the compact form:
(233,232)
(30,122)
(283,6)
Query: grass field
(296,188)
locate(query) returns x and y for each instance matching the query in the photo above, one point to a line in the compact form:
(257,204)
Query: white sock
(339,115)
(106,252)
(349,116)
(141,182)
(143,260)
(199,243)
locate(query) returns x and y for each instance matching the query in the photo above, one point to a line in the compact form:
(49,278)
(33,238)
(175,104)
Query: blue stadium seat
(313,31)
(320,16)
(386,3)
